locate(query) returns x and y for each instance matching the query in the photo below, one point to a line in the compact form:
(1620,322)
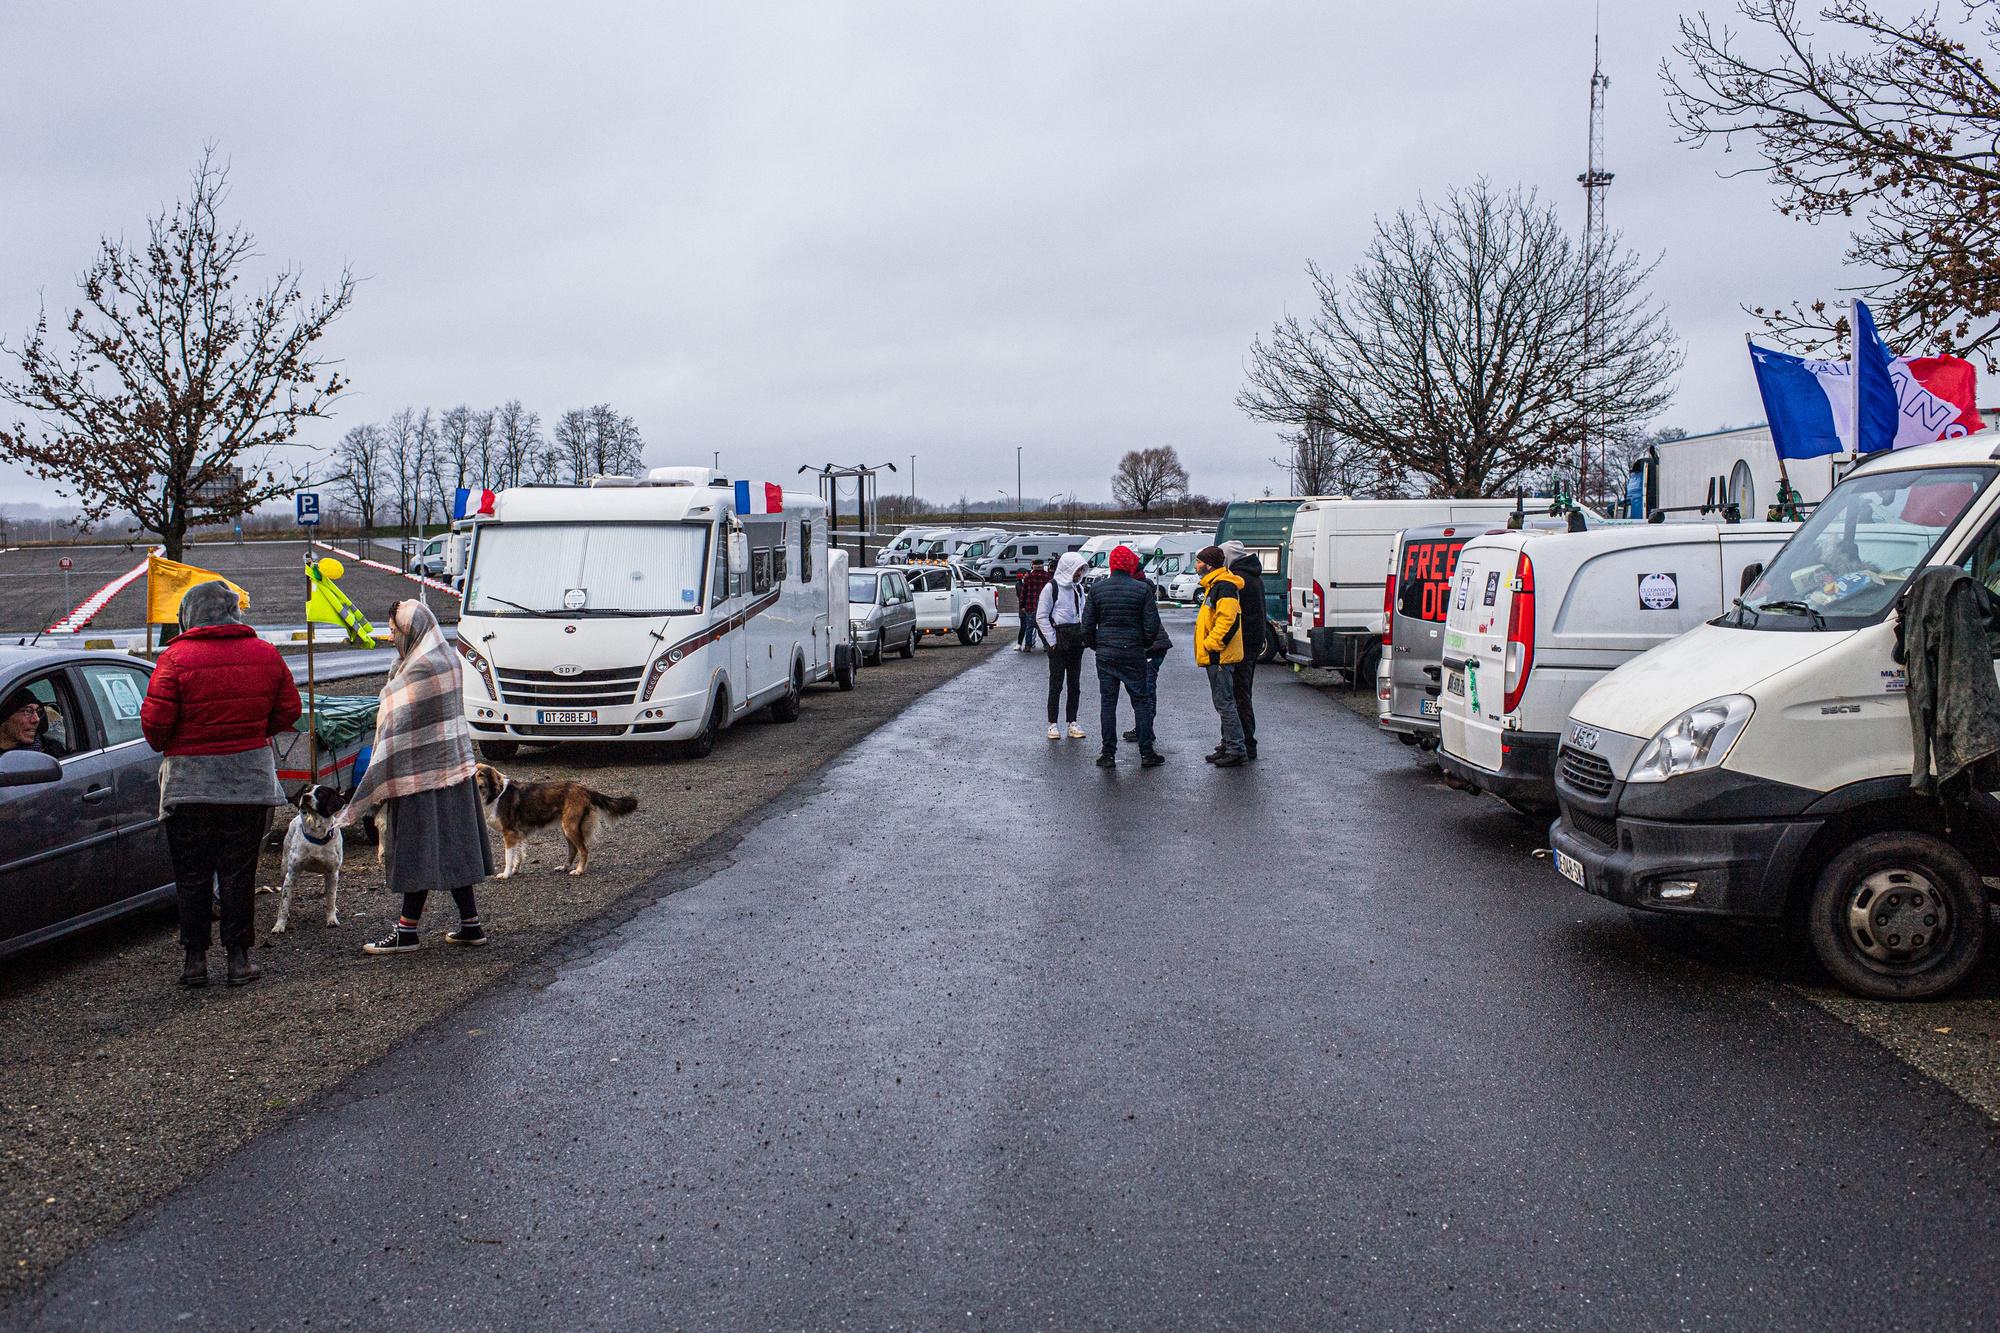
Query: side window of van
(762,563)
(719,585)
(778,561)
(805,551)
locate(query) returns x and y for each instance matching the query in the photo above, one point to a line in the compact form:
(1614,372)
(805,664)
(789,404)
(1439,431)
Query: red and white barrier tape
(86,610)
(387,569)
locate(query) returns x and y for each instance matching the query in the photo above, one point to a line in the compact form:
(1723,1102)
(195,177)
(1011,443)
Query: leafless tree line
(405,471)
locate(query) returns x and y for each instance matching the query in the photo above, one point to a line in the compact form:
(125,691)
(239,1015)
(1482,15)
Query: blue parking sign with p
(308,502)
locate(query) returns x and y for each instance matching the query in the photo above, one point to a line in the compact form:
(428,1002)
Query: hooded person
(1238,560)
(1218,646)
(420,779)
(1121,623)
(1059,617)
(217,696)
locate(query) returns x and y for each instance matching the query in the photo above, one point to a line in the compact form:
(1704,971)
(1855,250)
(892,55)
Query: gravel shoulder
(117,1086)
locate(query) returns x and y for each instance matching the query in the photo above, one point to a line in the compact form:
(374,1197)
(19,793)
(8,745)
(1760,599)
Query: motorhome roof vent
(614,480)
(686,476)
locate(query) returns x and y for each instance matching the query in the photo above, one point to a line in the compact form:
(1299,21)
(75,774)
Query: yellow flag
(326,604)
(167,581)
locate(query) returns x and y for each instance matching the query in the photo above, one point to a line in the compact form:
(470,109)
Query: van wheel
(785,708)
(499,750)
(909,649)
(1271,651)
(1898,916)
(702,743)
(843,675)
(973,628)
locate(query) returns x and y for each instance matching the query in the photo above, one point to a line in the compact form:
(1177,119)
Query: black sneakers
(469,933)
(1152,759)
(1107,761)
(398,940)
(1230,760)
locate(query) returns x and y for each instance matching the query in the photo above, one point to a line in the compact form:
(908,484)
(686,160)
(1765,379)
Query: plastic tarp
(342,720)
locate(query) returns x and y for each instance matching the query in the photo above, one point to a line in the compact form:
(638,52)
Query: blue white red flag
(1811,405)
(471,502)
(759,497)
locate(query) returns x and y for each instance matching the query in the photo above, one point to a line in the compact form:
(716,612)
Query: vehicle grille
(586,689)
(1586,772)
(1595,827)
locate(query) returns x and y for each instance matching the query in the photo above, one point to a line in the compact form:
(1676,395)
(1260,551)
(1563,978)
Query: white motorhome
(1537,618)
(1012,558)
(1696,478)
(1164,556)
(642,612)
(1339,549)
(899,548)
(1759,767)
(1097,552)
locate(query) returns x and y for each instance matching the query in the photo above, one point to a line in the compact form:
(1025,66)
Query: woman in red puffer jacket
(217,697)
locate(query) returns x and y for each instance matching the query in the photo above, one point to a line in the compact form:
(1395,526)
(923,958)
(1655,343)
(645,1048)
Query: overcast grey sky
(857,231)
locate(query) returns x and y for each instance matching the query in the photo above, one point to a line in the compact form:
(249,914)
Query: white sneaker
(1075,732)
(1055,732)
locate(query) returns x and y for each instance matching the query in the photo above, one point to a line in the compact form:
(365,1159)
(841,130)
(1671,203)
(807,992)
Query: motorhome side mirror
(1751,573)
(28,768)
(739,553)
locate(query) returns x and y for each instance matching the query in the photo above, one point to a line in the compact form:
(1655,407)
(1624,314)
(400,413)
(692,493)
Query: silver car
(80,835)
(882,613)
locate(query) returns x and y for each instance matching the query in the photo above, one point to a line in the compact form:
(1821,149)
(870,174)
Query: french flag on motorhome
(471,502)
(1903,400)
(759,497)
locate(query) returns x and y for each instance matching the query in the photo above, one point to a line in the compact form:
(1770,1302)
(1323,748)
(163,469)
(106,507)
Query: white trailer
(1692,479)
(642,612)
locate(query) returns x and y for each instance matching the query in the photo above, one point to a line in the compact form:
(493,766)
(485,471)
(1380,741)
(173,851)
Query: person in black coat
(1121,623)
(1256,631)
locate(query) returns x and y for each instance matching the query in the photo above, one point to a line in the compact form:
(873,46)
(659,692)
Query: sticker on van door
(1492,586)
(1659,592)
(1464,588)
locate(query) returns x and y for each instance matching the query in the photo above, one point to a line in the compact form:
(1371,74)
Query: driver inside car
(26,723)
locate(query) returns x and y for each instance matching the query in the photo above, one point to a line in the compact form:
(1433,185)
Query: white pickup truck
(951,601)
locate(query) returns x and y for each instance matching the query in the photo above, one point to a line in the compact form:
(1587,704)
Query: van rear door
(1475,650)
(1303,607)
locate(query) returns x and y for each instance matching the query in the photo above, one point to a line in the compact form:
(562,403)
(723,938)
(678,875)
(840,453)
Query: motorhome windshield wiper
(489,597)
(1796,609)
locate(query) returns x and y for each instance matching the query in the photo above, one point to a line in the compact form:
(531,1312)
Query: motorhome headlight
(1697,739)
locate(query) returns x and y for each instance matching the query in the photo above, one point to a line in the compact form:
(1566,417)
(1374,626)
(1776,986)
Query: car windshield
(1844,567)
(861,588)
(605,569)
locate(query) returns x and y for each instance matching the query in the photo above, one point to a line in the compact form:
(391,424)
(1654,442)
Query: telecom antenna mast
(1595,181)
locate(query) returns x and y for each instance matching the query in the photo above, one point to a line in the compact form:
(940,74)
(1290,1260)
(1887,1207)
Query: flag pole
(1784,479)
(312,687)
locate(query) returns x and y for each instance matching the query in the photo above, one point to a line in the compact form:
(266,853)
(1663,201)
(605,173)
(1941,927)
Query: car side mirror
(1751,573)
(28,768)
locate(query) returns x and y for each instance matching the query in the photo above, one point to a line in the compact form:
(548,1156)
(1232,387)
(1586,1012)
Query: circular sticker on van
(1659,592)
(574,599)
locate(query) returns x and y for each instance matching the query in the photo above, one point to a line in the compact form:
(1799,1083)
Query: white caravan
(1693,479)
(846,654)
(903,545)
(642,612)
(1334,579)
(1097,553)
(1537,618)
(1759,767)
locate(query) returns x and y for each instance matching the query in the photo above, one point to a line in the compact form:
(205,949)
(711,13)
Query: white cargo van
(1537,618)
(1013,557)
(647,612)
(1759,767)
(1339,549)
(900,547)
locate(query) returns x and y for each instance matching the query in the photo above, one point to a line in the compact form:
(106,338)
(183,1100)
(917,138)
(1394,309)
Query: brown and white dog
(518,809)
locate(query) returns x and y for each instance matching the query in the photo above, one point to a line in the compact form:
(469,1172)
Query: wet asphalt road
(970,1033)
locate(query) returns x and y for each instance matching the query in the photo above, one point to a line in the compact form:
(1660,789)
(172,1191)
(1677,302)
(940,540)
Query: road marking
(86,610)
(388,569)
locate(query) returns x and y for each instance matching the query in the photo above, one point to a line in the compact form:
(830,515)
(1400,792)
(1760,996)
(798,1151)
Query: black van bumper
(1331,646)
(1736,869)
(1527,773)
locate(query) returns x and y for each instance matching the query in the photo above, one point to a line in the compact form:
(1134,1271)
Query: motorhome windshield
(861,588)
(603,569)
(1843,568)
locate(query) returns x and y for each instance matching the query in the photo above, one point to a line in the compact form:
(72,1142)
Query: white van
(1759,767)
(958,545)
(1537,618)
(840,627)
(1013,557)
(1165,557)
(899,548)
(1097,553)
(1339,549)
(646,612)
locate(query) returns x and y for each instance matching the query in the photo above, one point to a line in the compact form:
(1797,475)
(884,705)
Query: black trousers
(214,848)
(468,907)
(1065,665)
(1241,675)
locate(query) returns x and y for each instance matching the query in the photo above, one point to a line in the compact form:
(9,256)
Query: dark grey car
(80,835)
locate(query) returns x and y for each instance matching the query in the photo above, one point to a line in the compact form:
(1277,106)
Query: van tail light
(1389,611)
(1520,635)
(1319,606)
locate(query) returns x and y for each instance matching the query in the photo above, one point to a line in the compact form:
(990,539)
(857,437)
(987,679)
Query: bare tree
(1475,346)
(517,442)
(410,438)
(1900,125)
(363,478)
(1321,461)
(483,455)
(180,377)
(1147,476)
(570,443)
(452,462)
(597,441)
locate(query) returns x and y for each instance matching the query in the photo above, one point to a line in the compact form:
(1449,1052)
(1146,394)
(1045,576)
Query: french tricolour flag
(759,497)
(471,502)
(1903,400)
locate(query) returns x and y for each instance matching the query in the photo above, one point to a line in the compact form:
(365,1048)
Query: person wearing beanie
(1218,646)
(1028,596)
(1121,621)
(1238,560)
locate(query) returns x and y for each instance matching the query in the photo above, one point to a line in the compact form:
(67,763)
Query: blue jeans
(1134,675)
(1222,691)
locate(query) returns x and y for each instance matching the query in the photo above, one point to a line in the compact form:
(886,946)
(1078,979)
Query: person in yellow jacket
(1218,645)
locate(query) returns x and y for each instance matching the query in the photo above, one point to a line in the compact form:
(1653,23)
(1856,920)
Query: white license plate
(567,717)
(1570,868)
(1427,708)
(1454,682)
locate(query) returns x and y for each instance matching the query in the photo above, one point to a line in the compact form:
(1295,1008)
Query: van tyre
(1271,651)
(785,708)
(843,675)
(973,628)
(499,751)
(1898,916)
(702,743)
(909,649)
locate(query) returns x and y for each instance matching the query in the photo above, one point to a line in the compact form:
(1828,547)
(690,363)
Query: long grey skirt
(437,840)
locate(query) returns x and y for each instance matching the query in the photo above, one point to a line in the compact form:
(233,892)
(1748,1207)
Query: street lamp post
(1017,479)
